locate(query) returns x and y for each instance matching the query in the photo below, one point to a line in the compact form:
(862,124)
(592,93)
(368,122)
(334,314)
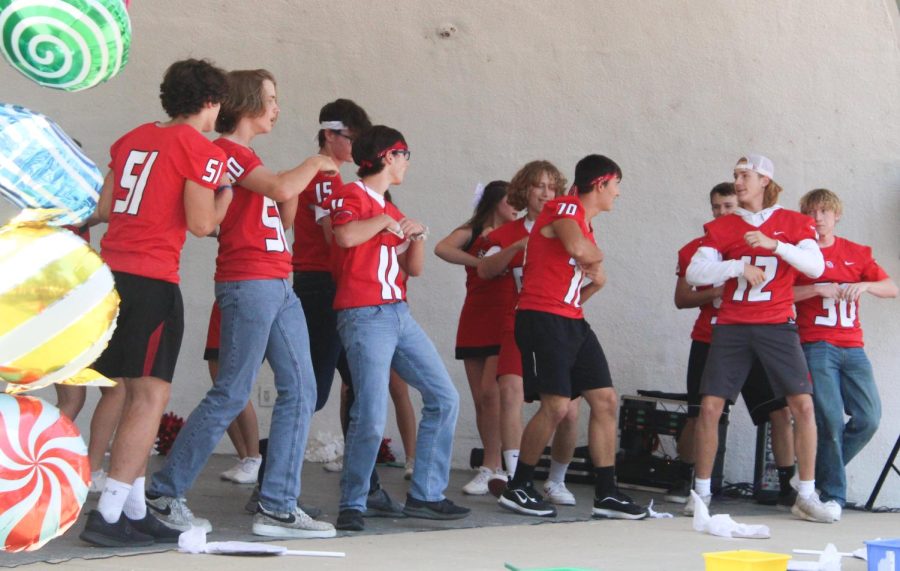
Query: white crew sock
(112,500)
(806,488)
(135,506)
(558,471)
(703,487)
(511,459)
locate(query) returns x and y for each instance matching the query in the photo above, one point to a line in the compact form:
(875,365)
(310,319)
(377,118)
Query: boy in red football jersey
(261,319)
(163,181)
(828,317)
(757,252)
(373,246)
(529,189)
(561,356)
(757,393)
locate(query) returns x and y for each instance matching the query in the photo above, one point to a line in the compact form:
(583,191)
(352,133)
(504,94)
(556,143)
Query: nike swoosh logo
(849,263)
(776,233)
(288,519)
(167,511)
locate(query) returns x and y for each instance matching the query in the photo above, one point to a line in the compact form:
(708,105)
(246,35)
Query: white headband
(332,125)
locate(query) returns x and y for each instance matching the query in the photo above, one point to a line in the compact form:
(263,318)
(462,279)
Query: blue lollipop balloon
(41,167)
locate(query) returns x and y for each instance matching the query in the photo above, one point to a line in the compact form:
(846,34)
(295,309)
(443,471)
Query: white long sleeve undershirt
(707,266)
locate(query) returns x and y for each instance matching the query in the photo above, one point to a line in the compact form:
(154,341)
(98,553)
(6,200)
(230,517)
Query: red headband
(602,179)
(398,146)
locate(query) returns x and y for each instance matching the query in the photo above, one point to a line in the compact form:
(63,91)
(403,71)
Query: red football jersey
(367,274)
(486,292)
(147,223)
(552,278)
(772,301)
(837,321)
(703,326)
(311,251)
(252,244)
(502,237)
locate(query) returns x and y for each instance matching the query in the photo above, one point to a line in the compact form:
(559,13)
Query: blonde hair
(823,198)
(530,175)
(771,192)
(244,98)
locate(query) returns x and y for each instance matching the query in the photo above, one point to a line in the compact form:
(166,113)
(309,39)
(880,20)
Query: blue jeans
(378,338)
(260,319)
(843,383)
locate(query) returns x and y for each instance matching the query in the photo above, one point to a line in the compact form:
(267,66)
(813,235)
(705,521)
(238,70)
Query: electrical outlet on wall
(267,396)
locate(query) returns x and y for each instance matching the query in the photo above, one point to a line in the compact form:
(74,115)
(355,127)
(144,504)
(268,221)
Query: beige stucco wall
(674,91)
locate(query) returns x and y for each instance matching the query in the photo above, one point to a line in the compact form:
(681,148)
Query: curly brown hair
(530,175)
(244,98)
(190,84)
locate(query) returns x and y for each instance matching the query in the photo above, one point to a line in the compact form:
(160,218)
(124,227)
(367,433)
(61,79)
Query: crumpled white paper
(722,525)
(324,447)
(653,514)
(829,560)
(194,541)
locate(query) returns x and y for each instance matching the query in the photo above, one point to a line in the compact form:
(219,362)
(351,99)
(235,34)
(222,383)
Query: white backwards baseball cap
(758,164)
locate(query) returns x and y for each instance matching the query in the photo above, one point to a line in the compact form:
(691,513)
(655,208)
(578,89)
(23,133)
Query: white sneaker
(174,513)
(247,471)
(478,486)
(812,509)
(290,525)
(689,506)
(336,465)
(408,468)
(557,493)
(834,509)
(98,482)
(228,474)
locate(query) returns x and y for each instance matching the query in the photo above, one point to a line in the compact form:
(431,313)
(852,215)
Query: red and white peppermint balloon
(44,473)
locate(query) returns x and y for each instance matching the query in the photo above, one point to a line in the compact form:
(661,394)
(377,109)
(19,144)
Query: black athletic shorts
(560,356)
(148,331)
(777,346)
(757,392)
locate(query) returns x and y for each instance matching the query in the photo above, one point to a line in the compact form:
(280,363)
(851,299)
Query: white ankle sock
(703,487)
(135,506)
(112,500)
(557,471)
(806,488)
(511,459)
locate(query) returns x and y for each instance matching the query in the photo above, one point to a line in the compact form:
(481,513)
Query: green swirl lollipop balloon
(66,44)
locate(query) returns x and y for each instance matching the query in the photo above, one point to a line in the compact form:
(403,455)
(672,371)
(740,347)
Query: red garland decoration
(169,425)
(385,456)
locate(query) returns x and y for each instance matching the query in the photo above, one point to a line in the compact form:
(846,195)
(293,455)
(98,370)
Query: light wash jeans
(843,383)
(260,319)
(378,338)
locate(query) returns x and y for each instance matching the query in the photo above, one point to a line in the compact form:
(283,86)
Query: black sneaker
(120,534)
(350,520)
(444,509)
(380,504)
(160,532)
(527,501)
(617,506)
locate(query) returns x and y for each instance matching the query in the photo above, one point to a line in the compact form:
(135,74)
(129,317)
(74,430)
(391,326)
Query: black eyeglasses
(344,135)
(404,152)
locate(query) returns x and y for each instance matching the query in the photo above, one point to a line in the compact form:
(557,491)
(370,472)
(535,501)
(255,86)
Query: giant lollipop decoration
(44,473)
(58,306)
(66,44)
(41,167)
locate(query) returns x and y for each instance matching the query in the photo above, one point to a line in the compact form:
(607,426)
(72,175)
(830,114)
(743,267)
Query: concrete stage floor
(487,539)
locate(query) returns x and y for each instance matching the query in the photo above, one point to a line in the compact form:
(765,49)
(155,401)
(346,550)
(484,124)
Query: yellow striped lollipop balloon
(58,306)
(66,44)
